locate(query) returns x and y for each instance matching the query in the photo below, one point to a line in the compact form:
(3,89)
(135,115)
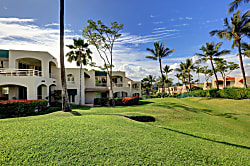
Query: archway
(42,92)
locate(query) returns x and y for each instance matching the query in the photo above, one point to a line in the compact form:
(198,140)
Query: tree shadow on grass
(207,139)
(75,113)
(141,118)
(170,105)
(80,107)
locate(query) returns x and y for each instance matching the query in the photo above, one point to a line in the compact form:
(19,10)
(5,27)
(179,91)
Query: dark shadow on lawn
(170,105)
(75,113)
(144,102)
(80,107)
(141,118)
(195,136)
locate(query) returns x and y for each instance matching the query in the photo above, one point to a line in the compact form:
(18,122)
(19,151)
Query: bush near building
(118,101)
(19,108)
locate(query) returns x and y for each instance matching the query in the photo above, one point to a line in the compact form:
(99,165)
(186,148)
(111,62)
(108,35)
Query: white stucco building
(35,75)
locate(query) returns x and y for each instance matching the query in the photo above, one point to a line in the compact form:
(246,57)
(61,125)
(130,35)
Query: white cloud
(180,18)
(15,20)
(5,8)
(159,22)
(151,16)
(171,19)
(52,24)
(189,18)
(139,24)
(181,25)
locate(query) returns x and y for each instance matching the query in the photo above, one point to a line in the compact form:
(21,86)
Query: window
(5,90)
(70,78)
(1,64)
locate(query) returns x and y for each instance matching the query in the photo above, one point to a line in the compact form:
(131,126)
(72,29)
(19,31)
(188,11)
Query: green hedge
(18,109)
(229,93)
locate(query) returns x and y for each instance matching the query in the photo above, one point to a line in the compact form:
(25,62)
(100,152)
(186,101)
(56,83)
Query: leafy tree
(183,75)
(145,85)
(246,49)
(80,53)
(187,68)
(211,52)
(225,68)
(151,79)
(178,76)
(65,98)
(168,82)
(207,72)
(237,30)
(198,71)
(103,38)
(235,4)
(158,53)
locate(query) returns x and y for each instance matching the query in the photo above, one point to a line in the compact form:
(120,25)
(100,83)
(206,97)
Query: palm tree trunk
(242,66)
(198,78)
(65,98)
(80,101)
(217,83)
(189,80)
(162,81)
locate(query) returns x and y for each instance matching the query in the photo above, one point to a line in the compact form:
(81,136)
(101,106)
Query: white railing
(101,84)
(117,85)
(20,72)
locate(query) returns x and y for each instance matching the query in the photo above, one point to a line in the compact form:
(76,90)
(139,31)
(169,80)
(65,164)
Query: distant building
(230,82)
(35,75)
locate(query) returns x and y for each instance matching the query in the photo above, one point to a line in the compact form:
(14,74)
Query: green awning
(4,53)
(100,73)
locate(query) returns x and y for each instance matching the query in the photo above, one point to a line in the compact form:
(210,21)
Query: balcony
(100,84)
(20,72)
(118,85)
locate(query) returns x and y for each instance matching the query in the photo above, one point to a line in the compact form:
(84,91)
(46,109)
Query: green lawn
(190,131)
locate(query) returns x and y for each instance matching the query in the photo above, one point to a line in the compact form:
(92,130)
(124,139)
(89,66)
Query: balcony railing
(117,85)
(20,72)
(101,84)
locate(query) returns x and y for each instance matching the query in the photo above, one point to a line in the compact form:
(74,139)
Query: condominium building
(230,82)
(35,75)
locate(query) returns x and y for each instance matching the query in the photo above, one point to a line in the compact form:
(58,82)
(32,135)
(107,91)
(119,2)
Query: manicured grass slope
(100,136)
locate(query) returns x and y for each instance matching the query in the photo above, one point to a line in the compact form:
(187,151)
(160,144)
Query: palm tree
(151,79)
(238,29)
(81,54)
(65,98)
(235,4)
(167,70)
(160,52)
(178,76)
(211,52)
(198,71)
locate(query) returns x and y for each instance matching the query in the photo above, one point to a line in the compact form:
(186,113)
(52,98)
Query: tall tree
(207,72)
(239,28)
(187,68)
(158,53)
(225,68)
(246,49)
(80,53)
(65,98)
(167,70)
(103,38)
(211,52)
(183,74)
(235,4)
(178,76)
(151,79)
(198,71)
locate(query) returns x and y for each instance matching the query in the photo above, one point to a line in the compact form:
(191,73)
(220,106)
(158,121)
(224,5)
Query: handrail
(19,72)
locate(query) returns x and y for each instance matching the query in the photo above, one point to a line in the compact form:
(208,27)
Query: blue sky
(184,25)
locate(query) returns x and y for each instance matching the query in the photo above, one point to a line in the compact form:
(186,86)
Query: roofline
(34,51)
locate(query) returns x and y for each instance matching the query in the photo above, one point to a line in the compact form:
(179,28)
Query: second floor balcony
(20,72)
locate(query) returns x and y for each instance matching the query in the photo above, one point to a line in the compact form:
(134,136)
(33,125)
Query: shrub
(118,101)
(212,93)
(18,108)
(235,93)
